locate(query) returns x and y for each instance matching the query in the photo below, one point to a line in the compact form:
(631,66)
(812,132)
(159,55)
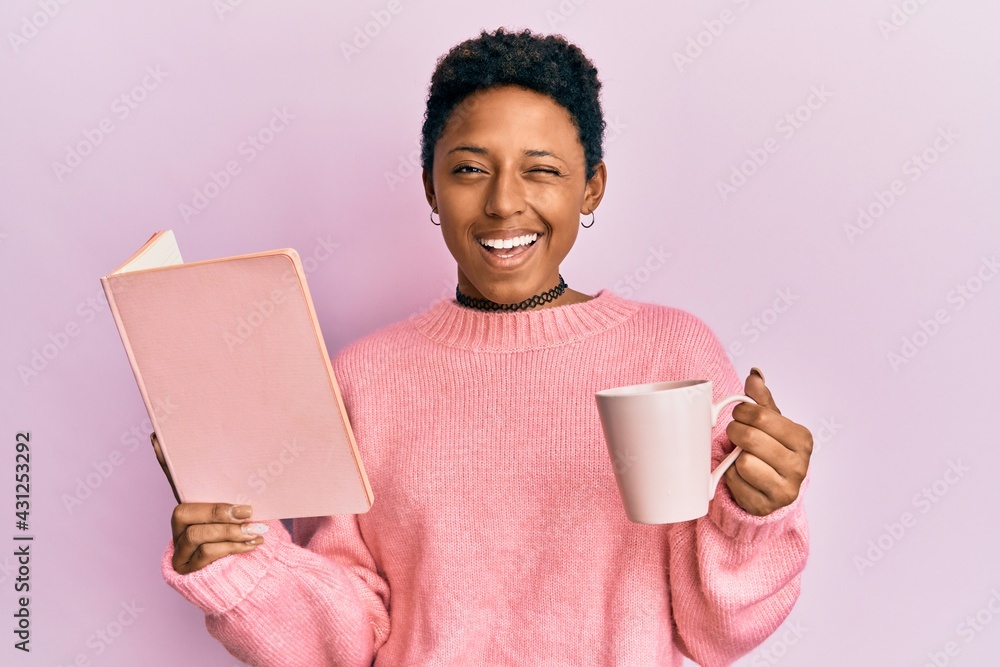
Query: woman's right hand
(205,532)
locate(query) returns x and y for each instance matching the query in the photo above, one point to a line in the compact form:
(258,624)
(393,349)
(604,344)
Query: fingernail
(759,374)
(254,528)
(240,511)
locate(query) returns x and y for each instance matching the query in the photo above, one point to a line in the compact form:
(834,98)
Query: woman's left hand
(776,451)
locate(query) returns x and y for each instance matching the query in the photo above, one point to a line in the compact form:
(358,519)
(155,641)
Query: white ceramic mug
(659,438)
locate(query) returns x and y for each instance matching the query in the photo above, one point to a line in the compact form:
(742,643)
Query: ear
(429,188)
(594,191)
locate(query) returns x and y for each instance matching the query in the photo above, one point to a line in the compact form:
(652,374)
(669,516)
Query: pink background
(770,266)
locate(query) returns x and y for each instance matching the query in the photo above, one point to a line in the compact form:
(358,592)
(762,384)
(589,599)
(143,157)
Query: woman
(498,536)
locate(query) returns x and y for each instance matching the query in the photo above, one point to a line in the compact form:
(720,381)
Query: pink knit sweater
(497,536)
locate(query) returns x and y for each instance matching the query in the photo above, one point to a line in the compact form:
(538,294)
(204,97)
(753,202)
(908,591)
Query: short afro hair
(546,64)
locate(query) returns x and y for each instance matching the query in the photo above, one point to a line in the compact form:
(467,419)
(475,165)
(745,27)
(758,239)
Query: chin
(515,293)
(500,295)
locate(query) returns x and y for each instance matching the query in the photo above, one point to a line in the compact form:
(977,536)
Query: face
(509,171)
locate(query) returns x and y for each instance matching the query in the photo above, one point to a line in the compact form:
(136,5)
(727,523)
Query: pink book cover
(233,370)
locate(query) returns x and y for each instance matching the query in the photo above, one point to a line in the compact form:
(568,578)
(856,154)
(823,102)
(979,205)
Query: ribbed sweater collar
(450,323)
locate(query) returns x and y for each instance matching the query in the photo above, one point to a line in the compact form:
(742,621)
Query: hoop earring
(438,223)
(592,217)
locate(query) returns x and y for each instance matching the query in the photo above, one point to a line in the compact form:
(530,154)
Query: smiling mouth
(509,247)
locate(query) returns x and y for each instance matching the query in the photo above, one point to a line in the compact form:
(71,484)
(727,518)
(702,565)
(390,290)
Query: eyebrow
(528,152)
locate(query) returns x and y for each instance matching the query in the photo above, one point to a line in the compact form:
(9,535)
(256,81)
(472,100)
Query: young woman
(498,536)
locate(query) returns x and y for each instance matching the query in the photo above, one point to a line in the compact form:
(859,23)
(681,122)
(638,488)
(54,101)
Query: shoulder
(681,341)
(377,349)
(675,323)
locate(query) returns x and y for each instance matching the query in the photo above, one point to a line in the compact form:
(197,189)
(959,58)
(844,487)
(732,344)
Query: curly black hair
(547,64)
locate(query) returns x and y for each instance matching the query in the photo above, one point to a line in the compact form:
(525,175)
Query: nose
(505,198)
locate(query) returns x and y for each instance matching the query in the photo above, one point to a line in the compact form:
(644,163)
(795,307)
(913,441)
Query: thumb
(755,388)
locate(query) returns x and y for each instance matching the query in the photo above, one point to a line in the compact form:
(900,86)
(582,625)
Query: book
(235,376)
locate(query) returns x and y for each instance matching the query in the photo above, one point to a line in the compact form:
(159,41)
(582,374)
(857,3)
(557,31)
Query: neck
(556,296)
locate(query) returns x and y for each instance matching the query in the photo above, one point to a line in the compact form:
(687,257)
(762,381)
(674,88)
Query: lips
(509,252)
(499,240)
(499,246)
(508,258)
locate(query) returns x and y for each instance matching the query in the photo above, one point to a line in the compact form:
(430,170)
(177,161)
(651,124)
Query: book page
(161,250)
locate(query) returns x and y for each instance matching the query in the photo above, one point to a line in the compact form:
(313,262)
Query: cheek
(560,209)
(565,243)
(456,242)
(565,228)
(450,239)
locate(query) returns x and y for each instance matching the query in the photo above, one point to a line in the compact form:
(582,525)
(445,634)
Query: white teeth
(509,243)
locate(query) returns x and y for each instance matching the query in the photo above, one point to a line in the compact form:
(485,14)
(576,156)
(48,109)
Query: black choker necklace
(530,302)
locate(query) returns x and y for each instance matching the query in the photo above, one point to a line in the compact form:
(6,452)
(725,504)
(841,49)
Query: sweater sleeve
(733,576)
(317,600)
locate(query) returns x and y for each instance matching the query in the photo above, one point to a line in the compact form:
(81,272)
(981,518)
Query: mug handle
(716,476)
